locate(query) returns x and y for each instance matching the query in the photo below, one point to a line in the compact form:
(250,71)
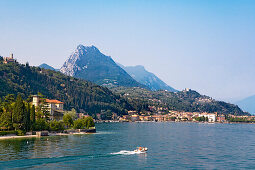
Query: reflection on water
(171,145)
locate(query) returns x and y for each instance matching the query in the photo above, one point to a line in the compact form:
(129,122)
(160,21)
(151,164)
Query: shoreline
(36,136)
(175,122)
(17,137)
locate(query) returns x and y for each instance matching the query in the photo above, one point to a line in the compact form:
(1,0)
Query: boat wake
(124,152)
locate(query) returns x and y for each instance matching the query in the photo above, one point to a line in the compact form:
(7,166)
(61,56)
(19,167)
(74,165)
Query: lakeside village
(160,115)
(38,116)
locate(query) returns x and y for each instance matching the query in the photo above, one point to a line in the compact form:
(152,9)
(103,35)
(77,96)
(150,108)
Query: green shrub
(56,125)
(3,133)
(84,123)
(79,124)
(68,120)
(20,132)
(41,124)
(89,122)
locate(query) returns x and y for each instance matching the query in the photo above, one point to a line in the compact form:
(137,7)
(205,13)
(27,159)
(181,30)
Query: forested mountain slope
(187,100)
(75,93)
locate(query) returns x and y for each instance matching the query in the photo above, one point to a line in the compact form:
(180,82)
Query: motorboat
(141,149)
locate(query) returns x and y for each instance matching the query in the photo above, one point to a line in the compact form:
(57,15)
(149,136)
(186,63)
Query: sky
(205,45)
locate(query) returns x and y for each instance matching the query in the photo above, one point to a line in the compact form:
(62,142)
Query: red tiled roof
(53,101)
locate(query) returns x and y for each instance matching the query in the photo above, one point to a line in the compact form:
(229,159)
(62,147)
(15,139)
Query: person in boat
(141,149)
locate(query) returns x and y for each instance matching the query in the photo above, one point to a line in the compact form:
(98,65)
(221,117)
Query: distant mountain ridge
(140,74)
(186,100)
(46,66)
(247,104)
(88,63)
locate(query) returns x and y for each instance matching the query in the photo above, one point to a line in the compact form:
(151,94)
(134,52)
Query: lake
(171,146)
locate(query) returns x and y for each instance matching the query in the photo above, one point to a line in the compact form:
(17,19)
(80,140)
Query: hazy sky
(206,45)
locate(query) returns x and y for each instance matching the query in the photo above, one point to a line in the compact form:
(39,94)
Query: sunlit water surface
(171,146)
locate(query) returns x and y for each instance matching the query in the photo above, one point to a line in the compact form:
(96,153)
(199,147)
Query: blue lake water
(171,146)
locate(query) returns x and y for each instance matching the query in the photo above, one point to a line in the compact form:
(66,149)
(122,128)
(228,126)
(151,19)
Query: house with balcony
(53,106)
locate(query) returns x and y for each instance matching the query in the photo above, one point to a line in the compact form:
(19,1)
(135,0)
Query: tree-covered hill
(75,93)
(189,101)
(86,96)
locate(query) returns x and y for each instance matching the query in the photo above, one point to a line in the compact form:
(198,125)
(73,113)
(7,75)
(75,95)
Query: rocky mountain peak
(88,63)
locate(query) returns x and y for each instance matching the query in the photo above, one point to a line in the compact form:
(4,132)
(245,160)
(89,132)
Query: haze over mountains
(140,74)
(247,104)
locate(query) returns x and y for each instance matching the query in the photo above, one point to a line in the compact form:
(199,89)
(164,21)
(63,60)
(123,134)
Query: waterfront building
(135,117)
(221,118)
(211,116)
(54,107)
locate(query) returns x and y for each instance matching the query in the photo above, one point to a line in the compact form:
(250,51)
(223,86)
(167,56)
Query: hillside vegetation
(75,93)
(188,101)
(88,97)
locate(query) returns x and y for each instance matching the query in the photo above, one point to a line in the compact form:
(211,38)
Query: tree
(6,119)
(72,113)
(79,124)
(68,121)
(41,124)
(56,125)
(6,110)
(9,98)
(89,122)
(32,115)
(27,65)
(19,113)
(27,121)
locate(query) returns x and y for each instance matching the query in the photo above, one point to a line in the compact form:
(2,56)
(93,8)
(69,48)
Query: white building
(55,107)
(211,116)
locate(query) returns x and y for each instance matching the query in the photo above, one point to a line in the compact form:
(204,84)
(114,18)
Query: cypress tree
(27,118)
(19,113)
(32,115)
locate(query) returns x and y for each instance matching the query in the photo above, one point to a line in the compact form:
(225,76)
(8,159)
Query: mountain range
(86,96)
(88,63)
(247,104)
(140,74)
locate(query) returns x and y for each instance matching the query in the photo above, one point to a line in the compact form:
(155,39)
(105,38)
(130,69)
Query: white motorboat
(141,149)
